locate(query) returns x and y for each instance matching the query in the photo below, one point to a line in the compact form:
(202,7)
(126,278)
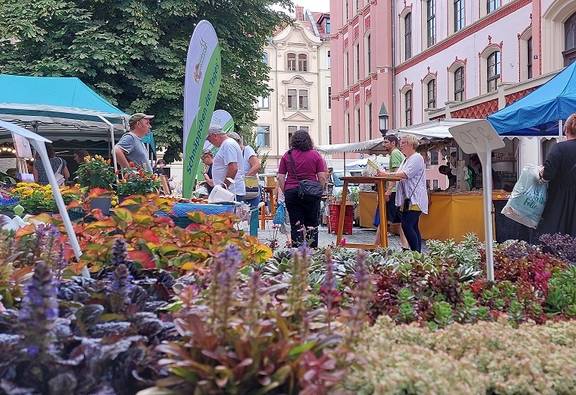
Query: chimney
(299,13)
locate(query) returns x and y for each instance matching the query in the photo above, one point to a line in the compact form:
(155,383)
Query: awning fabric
(539,113)
(363,146)
(434,130)
(62,108)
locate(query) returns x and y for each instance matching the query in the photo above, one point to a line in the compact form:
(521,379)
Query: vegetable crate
(334,215)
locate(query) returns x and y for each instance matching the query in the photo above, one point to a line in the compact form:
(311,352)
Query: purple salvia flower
(361,296)
(39,309)
(328,292)
(225,269)
(119,252)
(120,288)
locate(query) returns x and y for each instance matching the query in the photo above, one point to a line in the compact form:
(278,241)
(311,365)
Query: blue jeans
(411,231)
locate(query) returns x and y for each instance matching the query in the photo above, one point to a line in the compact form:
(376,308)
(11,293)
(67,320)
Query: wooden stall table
(454,215)
(267,193)
(380,183)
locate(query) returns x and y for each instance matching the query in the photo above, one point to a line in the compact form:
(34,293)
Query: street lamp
(383,120)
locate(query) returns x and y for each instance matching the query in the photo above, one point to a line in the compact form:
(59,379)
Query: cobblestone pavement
(359,235)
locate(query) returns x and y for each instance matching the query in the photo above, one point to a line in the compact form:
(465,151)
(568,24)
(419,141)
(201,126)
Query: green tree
(134,51)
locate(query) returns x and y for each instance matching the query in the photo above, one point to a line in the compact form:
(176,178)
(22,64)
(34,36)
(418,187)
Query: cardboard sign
(22,146)
(476,137)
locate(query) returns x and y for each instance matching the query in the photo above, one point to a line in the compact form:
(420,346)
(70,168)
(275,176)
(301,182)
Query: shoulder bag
(310,188)
(408,200)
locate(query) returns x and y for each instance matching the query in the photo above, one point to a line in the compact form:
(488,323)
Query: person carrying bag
(301,177)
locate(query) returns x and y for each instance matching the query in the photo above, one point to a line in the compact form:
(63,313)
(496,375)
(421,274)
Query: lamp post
(383,120)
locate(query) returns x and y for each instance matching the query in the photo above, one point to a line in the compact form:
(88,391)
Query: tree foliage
(134,51)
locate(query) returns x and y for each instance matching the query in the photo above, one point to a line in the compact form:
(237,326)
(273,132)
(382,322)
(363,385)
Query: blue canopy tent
(542,112)
(59,108)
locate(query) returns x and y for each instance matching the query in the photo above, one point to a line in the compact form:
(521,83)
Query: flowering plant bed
(208,310)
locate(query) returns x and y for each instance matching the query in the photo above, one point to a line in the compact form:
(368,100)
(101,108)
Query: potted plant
(137,181)
(96,174)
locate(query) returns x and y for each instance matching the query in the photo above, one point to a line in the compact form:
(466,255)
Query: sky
(314,5)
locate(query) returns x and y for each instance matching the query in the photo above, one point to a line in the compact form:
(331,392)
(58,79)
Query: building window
(358,124)
(263,136)
(529,58)
(347,70)
(303,99)
(327,27)
(357,7)
(368,54)
(263,103)
(570,40)
(357,68)
(292,105)
(292,129)
(435,185)
(369,123)
(431,88)
(347,126)
(433,157)
(291,62)
(302,62)
(346,9)
(430,22)
(459,18)
(493,71)
(408,108)
(408,36)
(492,5)
(459,84)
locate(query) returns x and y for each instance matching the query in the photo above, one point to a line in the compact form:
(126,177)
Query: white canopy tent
(8,129)
(363,146)
(434,129)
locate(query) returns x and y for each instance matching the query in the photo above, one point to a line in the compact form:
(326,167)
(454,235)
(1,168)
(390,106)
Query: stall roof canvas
(61,107)
(538,113)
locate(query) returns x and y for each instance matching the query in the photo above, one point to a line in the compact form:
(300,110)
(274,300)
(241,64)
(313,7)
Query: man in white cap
(227,164)
(130,147)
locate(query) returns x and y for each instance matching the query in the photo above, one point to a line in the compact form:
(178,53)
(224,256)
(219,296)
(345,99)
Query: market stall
(60,109)
(457,211)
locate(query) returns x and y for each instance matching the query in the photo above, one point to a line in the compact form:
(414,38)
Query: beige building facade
(299,60)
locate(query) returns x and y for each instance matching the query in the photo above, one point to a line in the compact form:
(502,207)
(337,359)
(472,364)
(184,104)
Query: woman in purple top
(302,162)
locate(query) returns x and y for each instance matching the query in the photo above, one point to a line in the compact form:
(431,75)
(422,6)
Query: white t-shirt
(248,153)
(229,152)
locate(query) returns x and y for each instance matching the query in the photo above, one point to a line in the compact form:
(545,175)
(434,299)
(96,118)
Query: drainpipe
(393,68)
(277,94)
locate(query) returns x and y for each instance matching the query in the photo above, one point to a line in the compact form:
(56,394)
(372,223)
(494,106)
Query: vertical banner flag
(201,84)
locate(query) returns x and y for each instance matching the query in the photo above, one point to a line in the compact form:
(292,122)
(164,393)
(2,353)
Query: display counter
(367,203)
(453,215)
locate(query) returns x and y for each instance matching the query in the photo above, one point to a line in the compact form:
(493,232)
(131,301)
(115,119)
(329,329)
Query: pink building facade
(435,59)
(362,74)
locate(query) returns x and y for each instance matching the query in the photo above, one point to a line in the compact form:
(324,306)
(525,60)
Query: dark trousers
(304,215)
(411,231)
